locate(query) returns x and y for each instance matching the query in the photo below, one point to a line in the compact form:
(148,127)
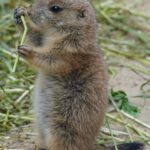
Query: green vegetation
(124,33)
(121,99)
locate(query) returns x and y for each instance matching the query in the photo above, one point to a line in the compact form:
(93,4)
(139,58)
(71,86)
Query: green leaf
(121,99)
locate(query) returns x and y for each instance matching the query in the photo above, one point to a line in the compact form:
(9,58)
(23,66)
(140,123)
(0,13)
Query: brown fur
(70,96)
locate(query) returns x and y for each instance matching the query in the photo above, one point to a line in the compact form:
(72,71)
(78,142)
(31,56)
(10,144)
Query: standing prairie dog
(70,95)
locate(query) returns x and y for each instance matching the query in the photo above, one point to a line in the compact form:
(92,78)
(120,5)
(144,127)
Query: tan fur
(70,95)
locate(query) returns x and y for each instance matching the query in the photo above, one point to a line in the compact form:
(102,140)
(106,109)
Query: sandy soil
(130,81)
(140,5)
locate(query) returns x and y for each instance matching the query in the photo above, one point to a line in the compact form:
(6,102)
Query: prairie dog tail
(127,146)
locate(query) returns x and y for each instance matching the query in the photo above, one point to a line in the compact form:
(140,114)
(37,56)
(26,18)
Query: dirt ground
(128,80)
(125,79)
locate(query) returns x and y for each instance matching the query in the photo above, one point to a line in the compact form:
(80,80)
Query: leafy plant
(121,99)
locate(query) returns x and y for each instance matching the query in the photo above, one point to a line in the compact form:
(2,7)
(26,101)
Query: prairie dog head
(71,21)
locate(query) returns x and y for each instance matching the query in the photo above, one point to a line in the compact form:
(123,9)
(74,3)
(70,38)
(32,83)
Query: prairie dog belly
(43,104)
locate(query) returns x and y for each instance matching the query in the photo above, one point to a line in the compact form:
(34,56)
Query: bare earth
(125,79)
(130,81)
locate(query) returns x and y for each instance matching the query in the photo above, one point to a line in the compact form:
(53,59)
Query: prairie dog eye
(82,14)
(55,9)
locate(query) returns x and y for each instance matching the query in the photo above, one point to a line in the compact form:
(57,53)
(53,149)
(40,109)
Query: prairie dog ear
(82,14)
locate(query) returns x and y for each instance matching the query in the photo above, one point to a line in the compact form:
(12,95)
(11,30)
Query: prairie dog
(70,97)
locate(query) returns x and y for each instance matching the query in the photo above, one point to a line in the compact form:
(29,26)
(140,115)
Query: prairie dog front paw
(25,51)
(20,11)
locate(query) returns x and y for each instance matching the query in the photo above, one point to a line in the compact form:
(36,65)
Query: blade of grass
(24,94)
(115,144)
(131,126)
(17,117)
(136,120)
(22,41)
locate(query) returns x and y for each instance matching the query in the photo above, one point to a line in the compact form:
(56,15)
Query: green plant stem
(136,120)
(22,41)
(25,93)
(119,112)
(128,125)
(115,144)
(16,117)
